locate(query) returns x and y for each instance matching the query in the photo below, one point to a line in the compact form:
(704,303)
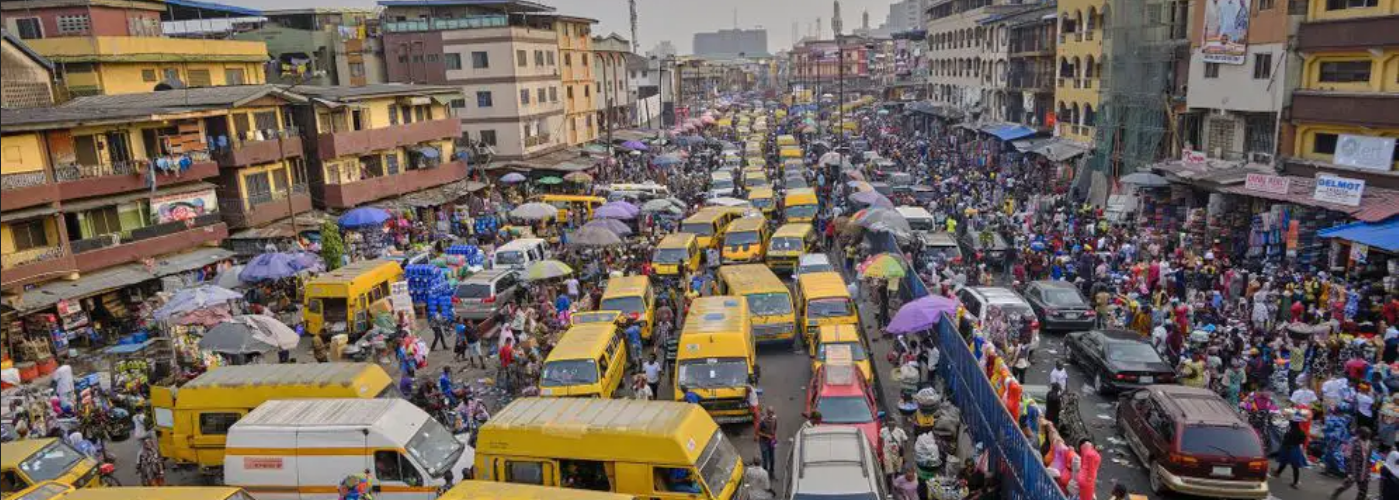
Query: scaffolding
(1140,50)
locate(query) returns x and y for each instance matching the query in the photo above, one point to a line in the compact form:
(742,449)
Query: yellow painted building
(1079,66)
(381,114)
(127,64)
(1346,86)
(576,50)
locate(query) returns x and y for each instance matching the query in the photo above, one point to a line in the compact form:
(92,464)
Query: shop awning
(1009,132)
(1058,149)
(1028,145)
(117,277)
(1377,204)
(1381,235)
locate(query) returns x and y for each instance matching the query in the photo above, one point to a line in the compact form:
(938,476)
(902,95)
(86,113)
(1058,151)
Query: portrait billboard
(1226,31)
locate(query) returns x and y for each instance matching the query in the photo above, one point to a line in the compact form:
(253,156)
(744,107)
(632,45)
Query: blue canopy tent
(1009,132)
(1380,235)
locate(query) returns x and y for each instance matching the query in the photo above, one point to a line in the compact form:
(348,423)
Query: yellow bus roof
(489,490)
(218,387)
(15,451)
(743,279)
(676,240)
(655,432)
(354,271)
(760,192)
(746,224)
(710,214)
(716,314)
(154,493)
(838,333)
(801,194)
(626,286)
(794,230)
(583,341)
(822,285)
(568,197)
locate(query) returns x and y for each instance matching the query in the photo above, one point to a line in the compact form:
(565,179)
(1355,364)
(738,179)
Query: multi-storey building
(576,47)
(1344,115)
(616,99)
(828,66)
(101,47)
(967,57)
(1030,77)
(26,78)
(730,43)
(320,46)
(507,64)
(1080,67)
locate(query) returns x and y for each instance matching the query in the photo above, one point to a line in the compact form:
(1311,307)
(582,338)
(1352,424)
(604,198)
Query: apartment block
(616,98)
(1080,68)
(320,46)
(576,49)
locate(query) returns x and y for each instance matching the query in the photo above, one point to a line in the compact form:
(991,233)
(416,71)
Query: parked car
(484,293)
(938,247)
(1060,306)
(1192,441)
(843,397)
(981,300)
(992,252)
(1115,360)
(834,462)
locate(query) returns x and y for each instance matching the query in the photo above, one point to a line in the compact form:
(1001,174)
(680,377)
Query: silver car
(484,293)
(834,461)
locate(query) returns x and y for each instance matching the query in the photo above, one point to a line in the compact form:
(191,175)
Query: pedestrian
(633,332)
(1053,403)
(506,358)
(1357,467)
(641,391)
(757,481)
(439,334)
(1059,375)
(767,441)
(1292,453)
(319,350)
(905,486)
(651,373)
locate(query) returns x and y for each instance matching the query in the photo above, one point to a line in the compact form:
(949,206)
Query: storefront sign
(1338,190)
(1265,183)
(1362,151)
(1192,157)
(184,206)
(1226,31)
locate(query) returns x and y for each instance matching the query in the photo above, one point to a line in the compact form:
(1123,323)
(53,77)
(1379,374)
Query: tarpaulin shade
(1009,132)
(1381,235)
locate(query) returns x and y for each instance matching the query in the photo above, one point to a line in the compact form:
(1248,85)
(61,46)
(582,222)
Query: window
(390,465)
(483,99)
(540,95)
(1262,66)
(417,58)
(29,28)
(480,60)
(550,55)
(234,76)
(585,59)
(10,480)
(568,59)
(200,78)
(403,59)
(452,60)
(1345,71)
(488,137)
(1211,70)
(553,94)
(357,69)
(587,91)
(258,188)
(148,75)
(569,90)
(393,115)
(217,424)
(458,103)
(391,163)
(171,74)
(1330,5)
(524,96)
(538,58)
(104,220)
(1266,4)
(432,58)
(77,23)
(521,58)
(1324,143)
(30,234)
(524,472)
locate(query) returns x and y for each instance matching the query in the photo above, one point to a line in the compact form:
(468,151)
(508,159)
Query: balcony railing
(73,172)
(23,180)
(435,24)
(537,140)
(144,233)
(94,243)
(30,256)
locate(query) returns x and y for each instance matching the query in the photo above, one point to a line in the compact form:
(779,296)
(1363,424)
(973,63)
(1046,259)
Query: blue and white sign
(1360,151)
(1338,190)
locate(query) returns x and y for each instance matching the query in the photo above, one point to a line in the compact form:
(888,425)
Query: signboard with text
(1225,32)
(1265,183)
(1361,151)
(1338,190)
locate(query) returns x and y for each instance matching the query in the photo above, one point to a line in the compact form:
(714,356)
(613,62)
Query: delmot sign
(1265,183)
(1338,190)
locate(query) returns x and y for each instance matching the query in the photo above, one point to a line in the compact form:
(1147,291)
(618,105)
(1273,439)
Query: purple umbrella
(921,314)
(871,198)
(635,146)
(269,266)
(616,210)
(613,225)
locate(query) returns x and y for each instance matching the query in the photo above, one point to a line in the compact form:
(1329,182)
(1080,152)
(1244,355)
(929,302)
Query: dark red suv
(1191,441)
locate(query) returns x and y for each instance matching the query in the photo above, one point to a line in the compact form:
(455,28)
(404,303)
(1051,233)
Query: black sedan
(1060,306)
(1116,360)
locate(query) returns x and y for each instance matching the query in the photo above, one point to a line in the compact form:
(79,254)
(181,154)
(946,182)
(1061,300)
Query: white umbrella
(249,333)
(535,211)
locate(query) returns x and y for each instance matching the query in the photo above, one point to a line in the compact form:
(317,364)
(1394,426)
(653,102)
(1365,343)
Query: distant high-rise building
(662,50)
(731,43)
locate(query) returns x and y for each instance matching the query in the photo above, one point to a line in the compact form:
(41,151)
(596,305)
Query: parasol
(193,299)
(547,269)
(364,216)
(594,237)
(535,211)
(248,334)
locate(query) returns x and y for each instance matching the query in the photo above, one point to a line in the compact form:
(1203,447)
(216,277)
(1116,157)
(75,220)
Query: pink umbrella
(707,120)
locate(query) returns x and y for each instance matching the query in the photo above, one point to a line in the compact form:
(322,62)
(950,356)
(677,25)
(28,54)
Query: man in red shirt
(507,360)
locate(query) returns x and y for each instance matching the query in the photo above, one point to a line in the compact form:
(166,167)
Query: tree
(332,247)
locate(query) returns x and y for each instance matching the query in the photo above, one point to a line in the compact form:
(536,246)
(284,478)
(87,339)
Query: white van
(519,254)
(302,449)
(919,219)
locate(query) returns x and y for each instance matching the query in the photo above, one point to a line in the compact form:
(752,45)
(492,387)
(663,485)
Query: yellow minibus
(716,358)
(823,300)
(788,243)
(589,360)
(344,300)
(634,298)
(745,240)
(770,308)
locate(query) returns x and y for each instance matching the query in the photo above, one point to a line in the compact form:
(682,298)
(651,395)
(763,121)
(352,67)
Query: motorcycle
(107,472)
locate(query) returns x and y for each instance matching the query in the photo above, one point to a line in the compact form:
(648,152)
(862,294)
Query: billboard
(1226,31)
(183,206)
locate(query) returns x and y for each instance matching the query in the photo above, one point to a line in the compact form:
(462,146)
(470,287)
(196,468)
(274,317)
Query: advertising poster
(1226,31)
(184,206)
(1339,190)
(1370,153)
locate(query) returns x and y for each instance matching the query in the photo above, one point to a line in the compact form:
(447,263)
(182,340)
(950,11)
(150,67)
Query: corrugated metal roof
(322,374)
(116,277)
(322,412)
(1377,204)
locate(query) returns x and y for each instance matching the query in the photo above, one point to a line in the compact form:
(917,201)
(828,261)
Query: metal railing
(30,256)
(23,180)
(144,233)
(72,171)
(94,243)
(434,24)
(537,140)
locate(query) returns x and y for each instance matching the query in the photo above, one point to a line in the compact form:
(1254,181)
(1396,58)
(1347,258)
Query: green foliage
(332,247)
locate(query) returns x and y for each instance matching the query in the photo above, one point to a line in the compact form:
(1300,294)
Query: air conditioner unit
(1263,158)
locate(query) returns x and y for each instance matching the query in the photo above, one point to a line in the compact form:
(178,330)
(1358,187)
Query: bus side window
(313,306)
(390,465)
(522,472)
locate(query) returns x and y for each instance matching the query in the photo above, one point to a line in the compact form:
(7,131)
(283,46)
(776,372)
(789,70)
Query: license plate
(1147,380)
(1072,315)
(1222,471)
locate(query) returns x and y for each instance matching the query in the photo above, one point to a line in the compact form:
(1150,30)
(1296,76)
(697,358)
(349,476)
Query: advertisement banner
(1265,183)
(1226,31)
(1362,151)
(1339,190)
(184,206)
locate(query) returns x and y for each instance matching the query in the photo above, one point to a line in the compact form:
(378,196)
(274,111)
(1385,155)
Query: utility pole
(607,102)
(635,42)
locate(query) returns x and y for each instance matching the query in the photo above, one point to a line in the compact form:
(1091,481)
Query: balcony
(354,143)
(1363,109)
(109,250)
(435,24)
(249,153)
(352,194)
(1362,33)
(36,263)
(257,210)
(537,140)
(26,189)
(84,181)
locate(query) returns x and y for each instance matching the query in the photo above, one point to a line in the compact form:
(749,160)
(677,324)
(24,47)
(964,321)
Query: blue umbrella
(269,266)
(667,160)
(616,210)
(513,178)
(303,261)
(364,216)
(635,146)
(194,299)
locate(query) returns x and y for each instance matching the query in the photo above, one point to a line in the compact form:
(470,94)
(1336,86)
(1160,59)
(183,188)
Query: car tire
(1158,485)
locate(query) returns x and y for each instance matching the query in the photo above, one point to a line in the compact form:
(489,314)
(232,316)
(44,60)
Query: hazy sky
(678,20)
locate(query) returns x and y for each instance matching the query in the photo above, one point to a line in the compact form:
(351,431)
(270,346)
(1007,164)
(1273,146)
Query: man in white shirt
(1059,375)
(572,285)
(652,370)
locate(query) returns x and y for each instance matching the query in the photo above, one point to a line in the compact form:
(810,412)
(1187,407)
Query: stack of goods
(475,258)
(422,280)
(485,225)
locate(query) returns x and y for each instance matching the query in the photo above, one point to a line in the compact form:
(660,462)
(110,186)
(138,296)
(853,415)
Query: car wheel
(1158,485)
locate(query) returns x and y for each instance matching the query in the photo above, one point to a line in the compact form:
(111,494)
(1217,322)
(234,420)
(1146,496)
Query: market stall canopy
(884,265)
(249,334)
(1009,131)
(363,217)
(616,210)
(269,267)
(547,269)
(1145,179)
(1380,235)
(662,206)
(550,180)
(593,237)
(512,178)
(535,211)
(616,226)
(113,278)
(635,145)
(668,160)
(922,314)
(193,299)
